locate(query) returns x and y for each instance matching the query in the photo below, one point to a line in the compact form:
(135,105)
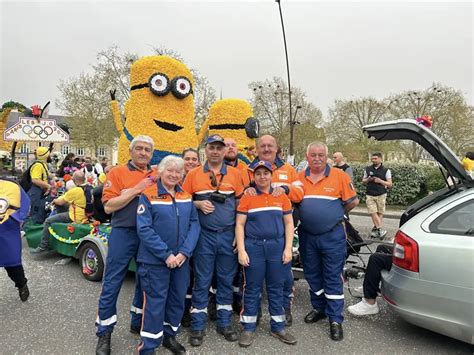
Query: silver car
(431,283)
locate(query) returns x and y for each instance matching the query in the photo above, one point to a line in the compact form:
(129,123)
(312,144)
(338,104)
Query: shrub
(410,182)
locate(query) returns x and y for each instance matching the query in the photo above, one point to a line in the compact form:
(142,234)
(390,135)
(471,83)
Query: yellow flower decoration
(160,106)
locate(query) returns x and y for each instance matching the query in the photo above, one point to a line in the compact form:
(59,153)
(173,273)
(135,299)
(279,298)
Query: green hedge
(410,182)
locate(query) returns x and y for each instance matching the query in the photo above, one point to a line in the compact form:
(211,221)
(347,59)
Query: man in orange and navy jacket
(326,194)
(216,188)
(122,189)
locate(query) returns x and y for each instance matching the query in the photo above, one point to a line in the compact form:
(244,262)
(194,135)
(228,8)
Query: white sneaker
(363,308)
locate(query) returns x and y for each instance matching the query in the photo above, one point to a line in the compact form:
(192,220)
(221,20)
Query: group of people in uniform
(188,223)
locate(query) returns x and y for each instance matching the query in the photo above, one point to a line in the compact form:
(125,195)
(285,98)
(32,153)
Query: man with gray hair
(122,189)
(326,194)
(76,199)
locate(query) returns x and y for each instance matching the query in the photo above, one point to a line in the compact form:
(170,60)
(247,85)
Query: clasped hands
(174,261)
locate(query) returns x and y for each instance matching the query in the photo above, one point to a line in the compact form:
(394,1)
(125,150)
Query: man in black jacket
(378,179)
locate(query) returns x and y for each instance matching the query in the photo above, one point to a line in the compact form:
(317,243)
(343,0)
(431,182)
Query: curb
(390,215)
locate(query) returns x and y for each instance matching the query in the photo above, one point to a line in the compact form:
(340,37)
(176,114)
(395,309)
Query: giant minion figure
(232,118)
(160,106)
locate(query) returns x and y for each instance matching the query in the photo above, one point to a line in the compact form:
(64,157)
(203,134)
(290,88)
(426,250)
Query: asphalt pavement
(59,319)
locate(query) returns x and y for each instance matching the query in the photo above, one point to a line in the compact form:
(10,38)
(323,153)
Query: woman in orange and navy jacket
(264,235)
(168,228)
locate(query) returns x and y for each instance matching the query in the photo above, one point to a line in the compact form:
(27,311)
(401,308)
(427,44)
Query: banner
(29,129)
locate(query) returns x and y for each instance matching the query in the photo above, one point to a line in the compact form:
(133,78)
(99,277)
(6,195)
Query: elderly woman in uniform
(264,235)
(168,228)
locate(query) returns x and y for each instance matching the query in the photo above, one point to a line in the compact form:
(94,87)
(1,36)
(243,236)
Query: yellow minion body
(229,118)
(160,106)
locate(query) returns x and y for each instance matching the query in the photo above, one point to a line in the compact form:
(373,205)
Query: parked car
(431,283)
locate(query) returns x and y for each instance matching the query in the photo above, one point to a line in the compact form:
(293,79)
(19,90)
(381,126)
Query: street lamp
(288,74)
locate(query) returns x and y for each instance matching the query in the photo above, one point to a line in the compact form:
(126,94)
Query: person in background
(14,206)
(378,179)
(341,164)
(191,159)
(99,212)
(76,214)
(40,186)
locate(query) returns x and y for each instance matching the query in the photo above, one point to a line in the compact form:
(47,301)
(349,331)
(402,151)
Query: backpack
(90,175)
(89,210)
(25,181)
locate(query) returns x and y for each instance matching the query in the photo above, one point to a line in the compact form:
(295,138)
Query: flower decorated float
(160,106)
(232,118)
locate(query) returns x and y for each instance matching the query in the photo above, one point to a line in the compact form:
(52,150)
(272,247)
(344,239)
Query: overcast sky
(336,49)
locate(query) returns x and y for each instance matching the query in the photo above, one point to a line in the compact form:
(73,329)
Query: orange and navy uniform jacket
(240,165)
(119,179)
(198,184)
(264,215)
(165,225)
(284,175)
(322,203)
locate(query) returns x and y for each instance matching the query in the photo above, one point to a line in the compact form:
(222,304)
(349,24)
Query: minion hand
(112,94)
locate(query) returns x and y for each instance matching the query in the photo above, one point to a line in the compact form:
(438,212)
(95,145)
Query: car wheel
(92,263)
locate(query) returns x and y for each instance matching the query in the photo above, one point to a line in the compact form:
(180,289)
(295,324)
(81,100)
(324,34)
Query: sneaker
(373,232)
(382,233)
(363,308)
(38,250)
(24,293)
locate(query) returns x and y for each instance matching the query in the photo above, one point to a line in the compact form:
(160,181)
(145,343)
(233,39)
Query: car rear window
(458,221)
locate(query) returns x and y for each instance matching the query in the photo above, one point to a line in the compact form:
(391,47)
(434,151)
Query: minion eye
(159,84)
(4,204)
(181,87)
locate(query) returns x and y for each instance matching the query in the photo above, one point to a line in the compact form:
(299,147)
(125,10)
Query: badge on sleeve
(141,208)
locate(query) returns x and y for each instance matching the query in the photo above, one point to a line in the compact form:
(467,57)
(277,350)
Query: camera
(217,197)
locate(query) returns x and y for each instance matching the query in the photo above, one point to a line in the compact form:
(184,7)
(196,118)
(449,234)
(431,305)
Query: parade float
(232,118)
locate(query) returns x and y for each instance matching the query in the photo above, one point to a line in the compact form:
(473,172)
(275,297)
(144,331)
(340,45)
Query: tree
(86,101)
(453,119)
(344,129)
(271,106)
(13,105)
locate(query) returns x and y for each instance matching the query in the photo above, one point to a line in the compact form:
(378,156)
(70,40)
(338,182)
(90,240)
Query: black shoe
(284,336)
(196,337)
(336,331)
(186,321)
(314,316)
(288,317)
(24,293)
(103,345)
(134,329)
(173,345)
(229,333)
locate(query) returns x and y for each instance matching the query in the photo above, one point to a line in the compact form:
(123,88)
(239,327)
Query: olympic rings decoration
(37,131)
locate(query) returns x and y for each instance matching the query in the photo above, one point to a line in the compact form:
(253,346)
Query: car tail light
(405,252)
